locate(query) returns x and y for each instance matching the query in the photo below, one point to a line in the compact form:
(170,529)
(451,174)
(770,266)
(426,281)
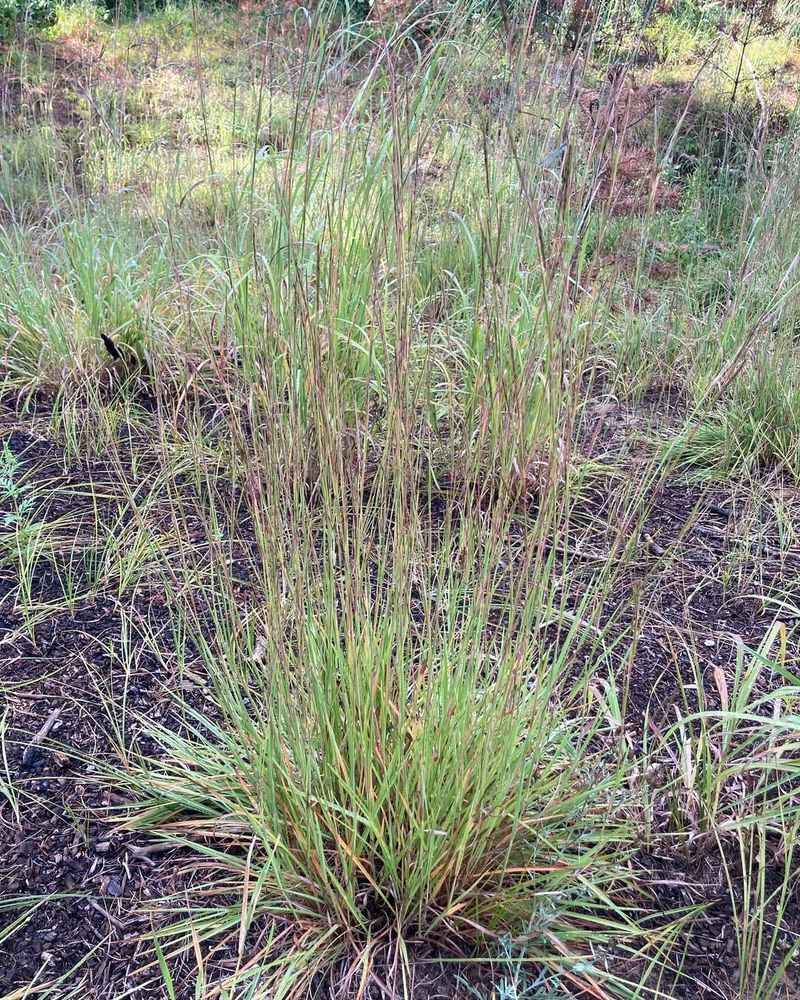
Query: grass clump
(380,797)
(755,427)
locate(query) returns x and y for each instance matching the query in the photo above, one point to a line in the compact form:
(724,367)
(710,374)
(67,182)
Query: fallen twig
(143,853)
(111,919)
(49,722)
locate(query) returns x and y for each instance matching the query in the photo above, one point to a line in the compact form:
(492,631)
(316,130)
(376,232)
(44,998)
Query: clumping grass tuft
(379,797)
(755,427)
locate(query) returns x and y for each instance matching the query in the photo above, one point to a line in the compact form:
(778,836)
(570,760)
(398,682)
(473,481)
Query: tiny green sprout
(12,492)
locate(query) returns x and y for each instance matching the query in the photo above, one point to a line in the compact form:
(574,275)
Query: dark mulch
(65,663)
(709,952)
(62,844)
